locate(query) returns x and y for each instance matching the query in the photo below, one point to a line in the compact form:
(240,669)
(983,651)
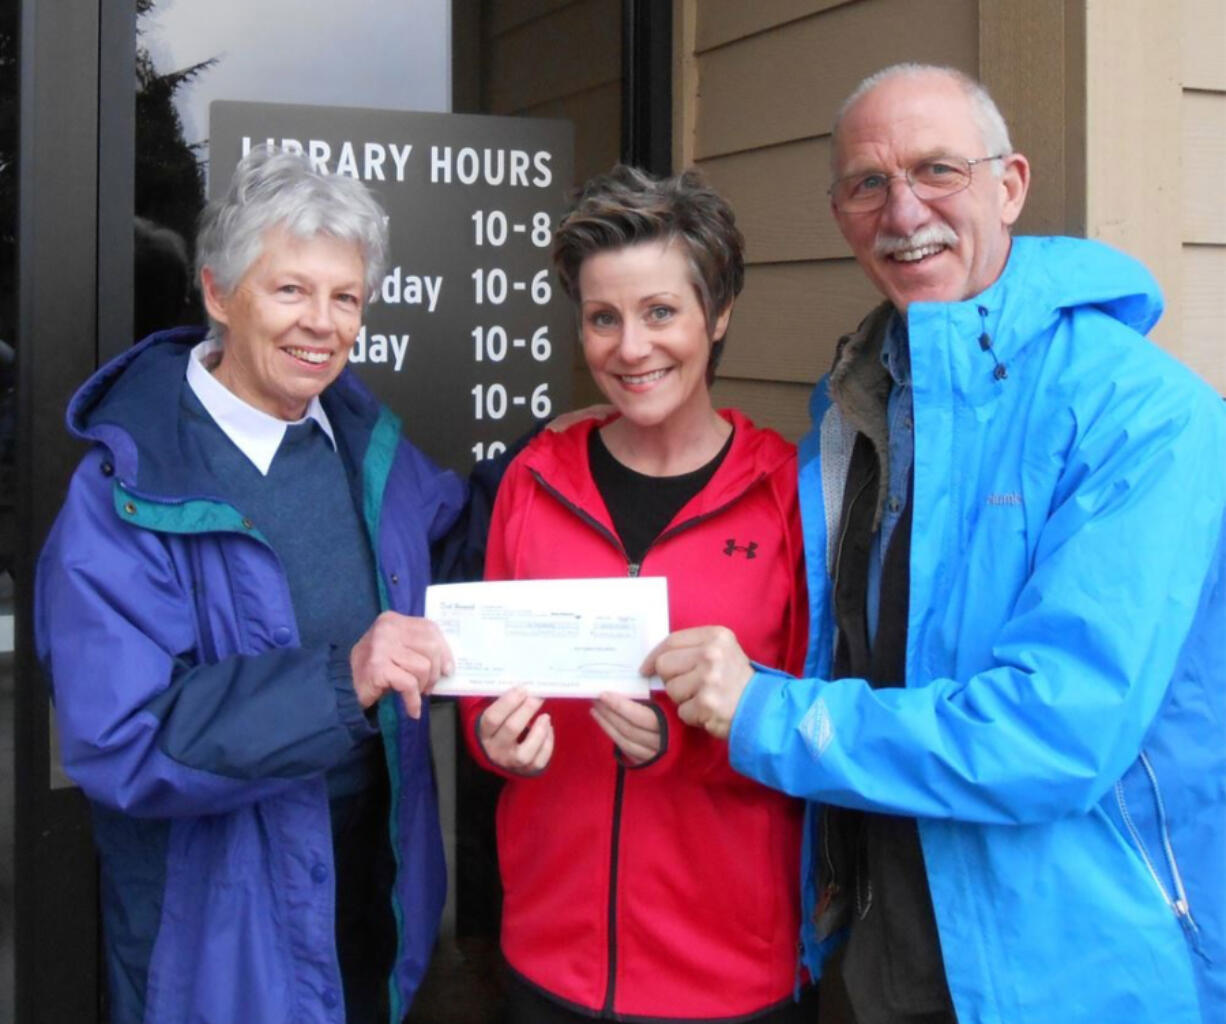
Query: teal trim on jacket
(1061,736)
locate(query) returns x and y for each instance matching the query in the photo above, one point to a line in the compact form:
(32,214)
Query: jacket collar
(560,460)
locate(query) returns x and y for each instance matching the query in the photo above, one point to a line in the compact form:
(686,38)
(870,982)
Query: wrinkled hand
(705,672)
(631,724)
(588,412)
(501,730)
(401,653)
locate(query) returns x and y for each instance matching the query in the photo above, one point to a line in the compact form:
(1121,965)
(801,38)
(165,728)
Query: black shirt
(641,506)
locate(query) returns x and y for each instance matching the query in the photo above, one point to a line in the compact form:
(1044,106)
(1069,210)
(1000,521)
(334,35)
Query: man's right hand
(400,653)
(501,731)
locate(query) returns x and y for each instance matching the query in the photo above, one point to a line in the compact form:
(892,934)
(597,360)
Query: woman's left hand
(631,724)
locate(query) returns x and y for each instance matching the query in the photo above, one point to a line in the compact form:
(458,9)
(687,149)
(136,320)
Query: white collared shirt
(255,433)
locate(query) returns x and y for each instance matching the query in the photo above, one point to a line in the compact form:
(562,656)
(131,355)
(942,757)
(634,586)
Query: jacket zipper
(614,865)
(586,517)
(838,558)
(1178,900)
(831,890)
(696,520)
(632,569)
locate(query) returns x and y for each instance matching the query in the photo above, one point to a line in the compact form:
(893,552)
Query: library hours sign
(468,338)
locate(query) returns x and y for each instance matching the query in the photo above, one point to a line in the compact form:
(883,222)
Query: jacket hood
(1067,273)
(132,405)
(1044,279)
(561,460)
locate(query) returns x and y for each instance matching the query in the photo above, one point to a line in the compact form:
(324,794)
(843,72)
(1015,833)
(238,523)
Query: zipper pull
(632,568)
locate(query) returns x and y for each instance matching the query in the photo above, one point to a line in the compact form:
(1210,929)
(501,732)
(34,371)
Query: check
(557,638)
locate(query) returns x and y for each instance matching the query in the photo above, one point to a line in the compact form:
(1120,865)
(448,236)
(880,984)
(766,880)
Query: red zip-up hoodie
(667,890)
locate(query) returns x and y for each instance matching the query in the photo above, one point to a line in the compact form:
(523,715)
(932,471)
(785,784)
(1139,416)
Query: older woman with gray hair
(233,583)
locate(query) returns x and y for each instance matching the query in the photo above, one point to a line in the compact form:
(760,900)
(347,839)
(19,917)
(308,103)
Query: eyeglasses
(934,178)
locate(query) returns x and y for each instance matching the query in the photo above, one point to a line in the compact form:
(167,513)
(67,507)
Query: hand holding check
(705,672)
(513,736)
(401,653)
(633,725)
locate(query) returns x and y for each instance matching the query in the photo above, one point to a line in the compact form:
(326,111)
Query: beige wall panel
(787,83)
(685,81)
(1204,313)
(1023,56)
(1204,166)
(782,407)
(779,195)
(790,316)
(505,14)
(596,115)
(721,21)
(1204,44)
(575,49)
(1133,104)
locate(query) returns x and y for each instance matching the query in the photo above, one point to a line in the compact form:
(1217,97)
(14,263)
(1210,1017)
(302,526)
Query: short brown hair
(626,206)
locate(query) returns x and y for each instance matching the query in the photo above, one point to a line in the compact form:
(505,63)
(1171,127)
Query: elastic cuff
(663,720)
(361,723)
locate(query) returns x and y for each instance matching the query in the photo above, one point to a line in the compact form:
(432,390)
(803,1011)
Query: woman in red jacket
(643,878)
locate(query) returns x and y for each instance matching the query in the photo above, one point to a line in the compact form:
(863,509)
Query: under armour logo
(732,547)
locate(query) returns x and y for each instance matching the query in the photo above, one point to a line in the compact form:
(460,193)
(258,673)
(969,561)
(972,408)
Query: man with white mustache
(1012,729)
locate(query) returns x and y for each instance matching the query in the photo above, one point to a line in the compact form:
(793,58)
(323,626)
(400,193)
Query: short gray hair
(272,188)
(988,118)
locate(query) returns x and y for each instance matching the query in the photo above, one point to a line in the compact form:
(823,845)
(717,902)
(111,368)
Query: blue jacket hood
(1065,274)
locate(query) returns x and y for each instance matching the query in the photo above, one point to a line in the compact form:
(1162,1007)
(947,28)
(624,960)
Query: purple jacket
(200,729)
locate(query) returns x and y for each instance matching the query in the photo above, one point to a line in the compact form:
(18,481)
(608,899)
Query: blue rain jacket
(190,716)
(1061,737)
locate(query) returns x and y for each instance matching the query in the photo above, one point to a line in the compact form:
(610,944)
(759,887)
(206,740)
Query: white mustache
(931,234)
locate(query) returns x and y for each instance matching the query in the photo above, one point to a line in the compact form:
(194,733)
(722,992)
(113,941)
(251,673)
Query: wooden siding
(1030,59)
(787,83)
(1132,132)
(779,194)
(508,14)
(783,407)
(790,317)
(1201,298)
(559,58)
(1204,44)
(571,49)
(1203,301)
(596,115)
(726,20)
(1203,154)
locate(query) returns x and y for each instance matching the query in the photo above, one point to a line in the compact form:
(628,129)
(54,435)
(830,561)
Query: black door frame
(647,78)
(68,56)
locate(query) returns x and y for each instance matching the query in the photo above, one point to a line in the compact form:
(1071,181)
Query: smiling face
(290,322)
(942,250)
(645,335)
